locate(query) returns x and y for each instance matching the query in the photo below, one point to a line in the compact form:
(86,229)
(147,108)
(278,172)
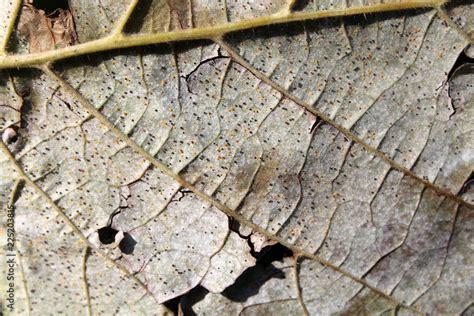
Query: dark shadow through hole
(467,184)
(460,61)
(107,235)
(272,253)
(187,301)
(300,5)
(251,280)
(247,284)
(173,304)
(49,6)
(127,244)
(135,22)
(12,137)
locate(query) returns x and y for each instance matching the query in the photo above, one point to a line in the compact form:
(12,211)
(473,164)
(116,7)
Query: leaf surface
(143,174)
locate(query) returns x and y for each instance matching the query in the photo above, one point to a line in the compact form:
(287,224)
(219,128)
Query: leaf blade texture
(163,173)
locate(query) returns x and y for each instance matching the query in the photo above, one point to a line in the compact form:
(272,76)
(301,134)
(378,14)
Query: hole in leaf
(173,304)
(10,135)
(135,22)
(187,301)
(300,5)
(107,235)
(251,280)
(460,61)
(127,245)
(468,184)
(272,253)
(49,6)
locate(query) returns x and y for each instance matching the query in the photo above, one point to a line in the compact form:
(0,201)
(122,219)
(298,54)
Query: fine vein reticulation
(43,61)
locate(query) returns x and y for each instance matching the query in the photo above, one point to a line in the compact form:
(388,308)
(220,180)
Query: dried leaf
(46,32)
(143,175)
